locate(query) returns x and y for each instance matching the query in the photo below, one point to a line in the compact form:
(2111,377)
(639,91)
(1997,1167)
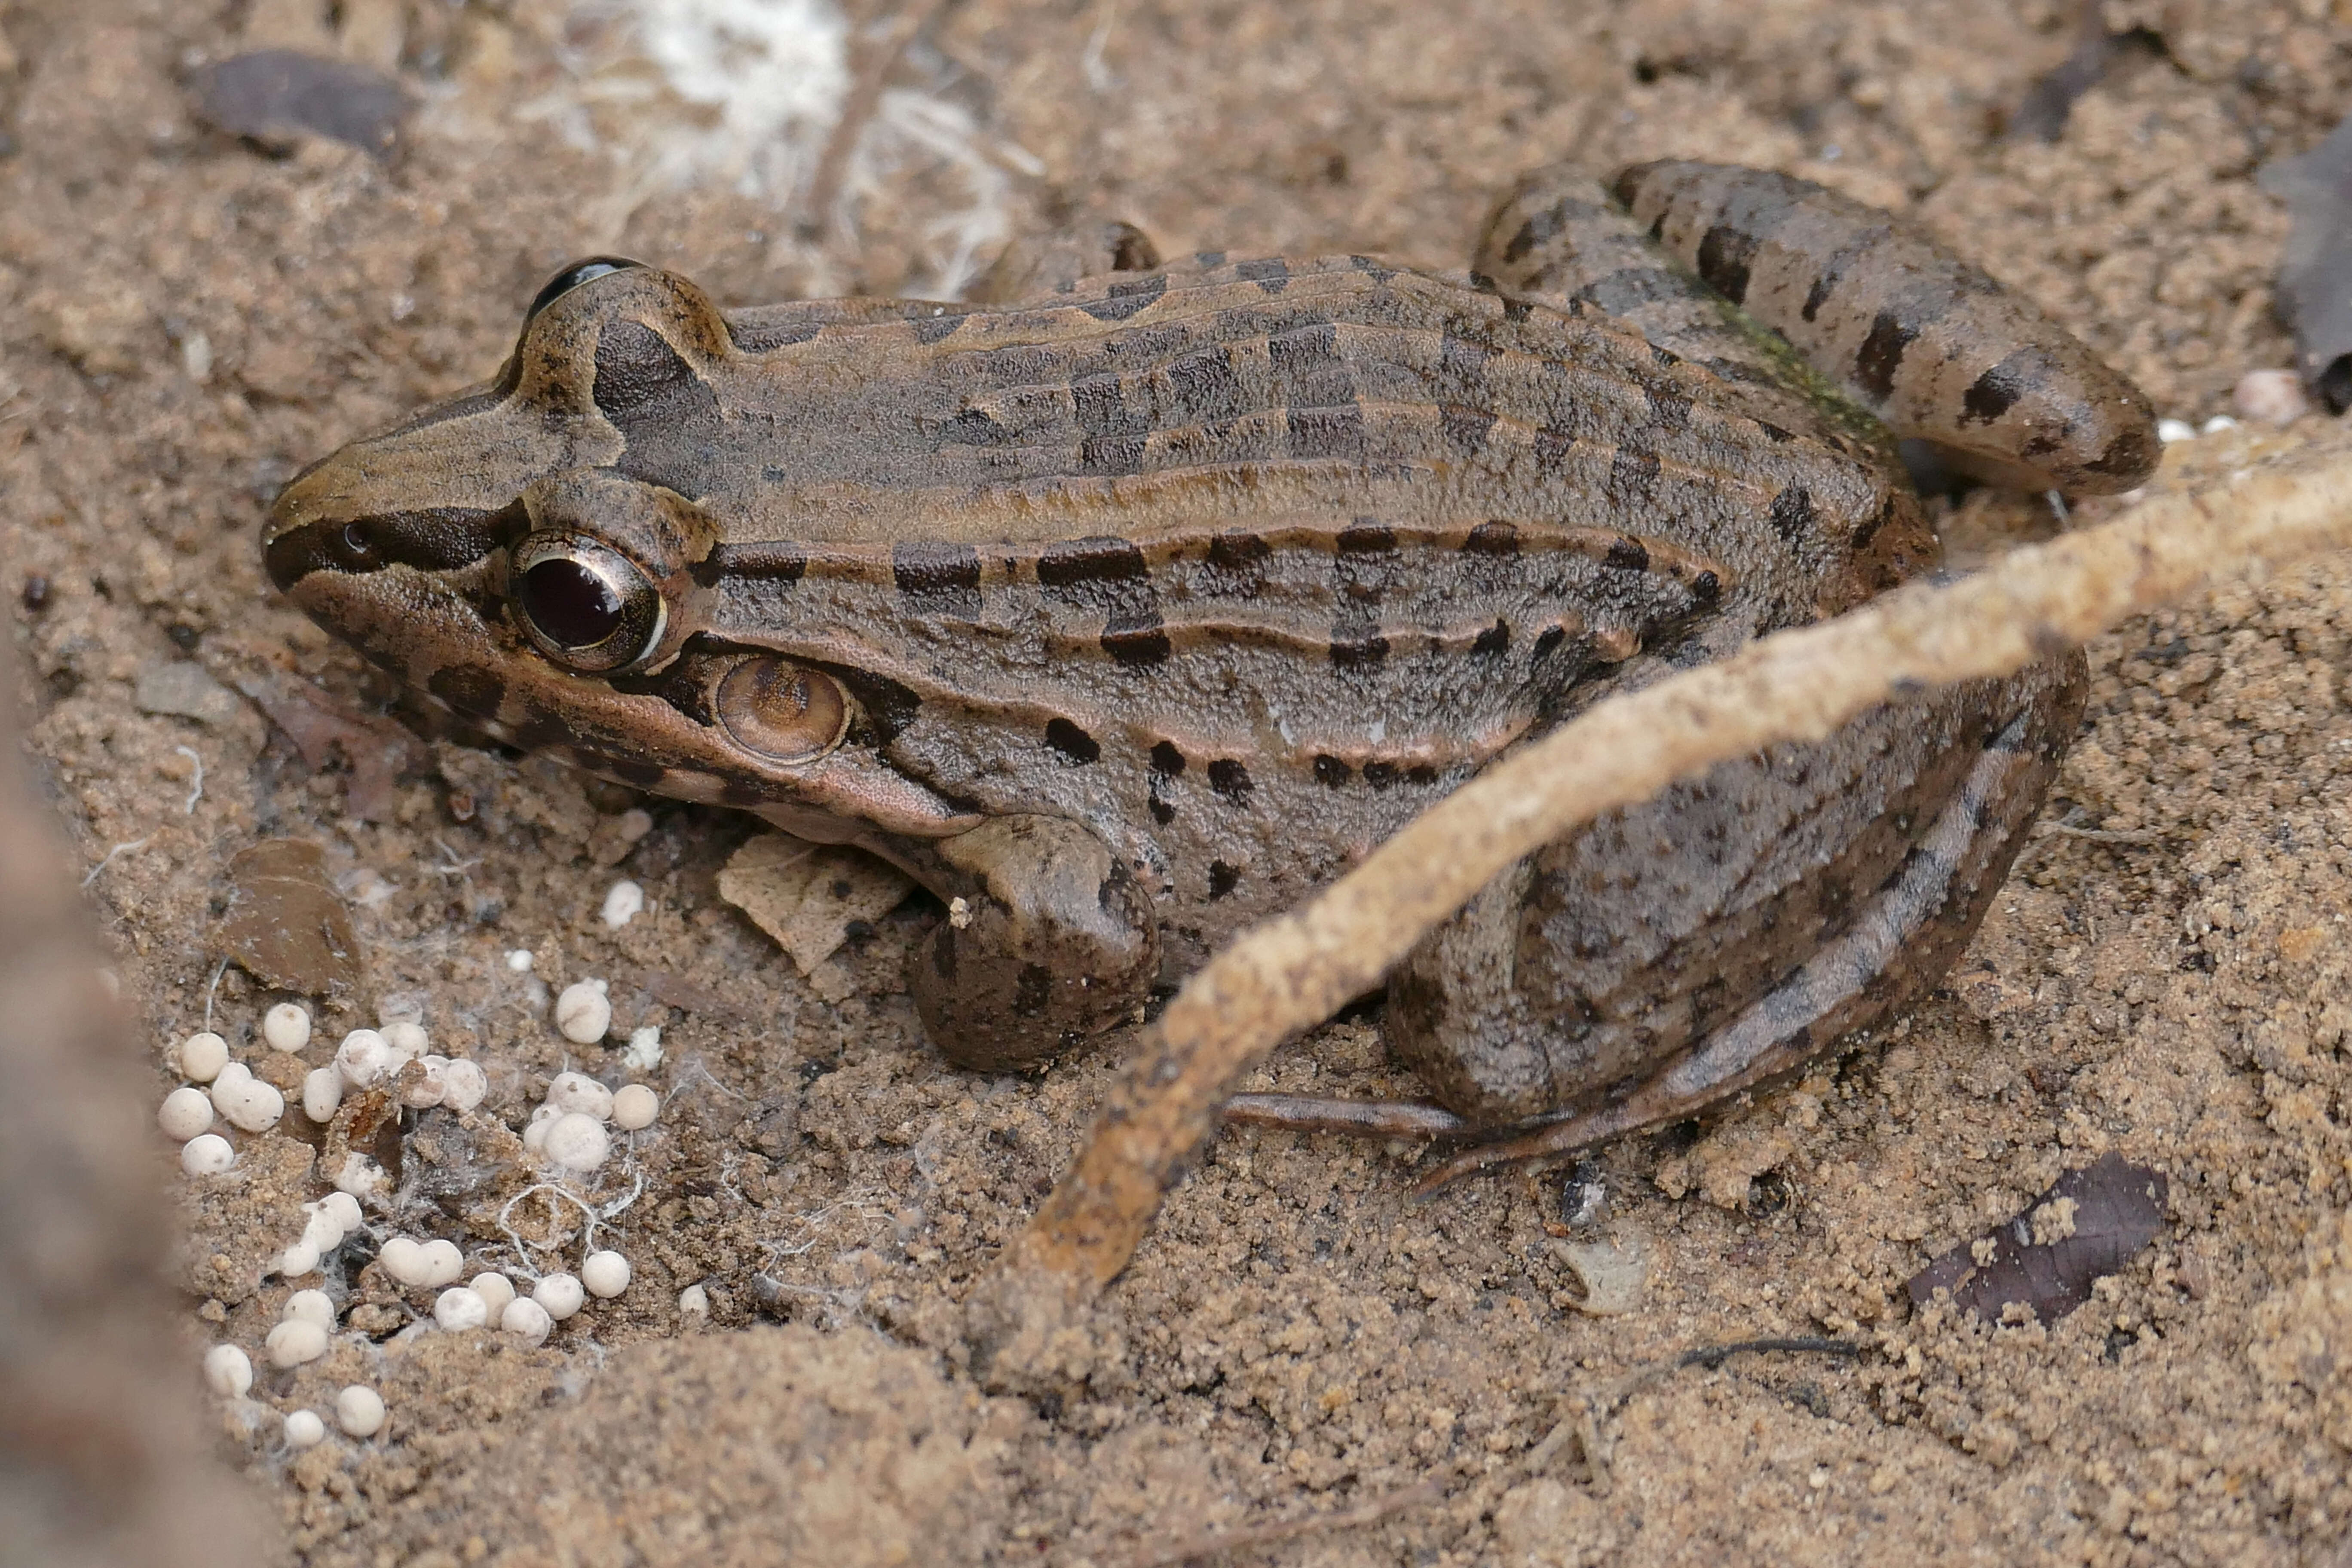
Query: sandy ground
(185,318)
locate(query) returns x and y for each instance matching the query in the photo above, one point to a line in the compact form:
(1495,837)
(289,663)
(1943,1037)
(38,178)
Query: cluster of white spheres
(568,1130)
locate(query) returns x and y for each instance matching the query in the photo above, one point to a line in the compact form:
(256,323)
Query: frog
(1129,602)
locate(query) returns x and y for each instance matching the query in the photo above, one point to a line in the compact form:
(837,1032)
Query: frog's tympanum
(1131,611)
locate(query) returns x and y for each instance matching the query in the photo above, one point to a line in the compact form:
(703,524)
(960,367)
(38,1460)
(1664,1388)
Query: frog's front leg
(1049,939)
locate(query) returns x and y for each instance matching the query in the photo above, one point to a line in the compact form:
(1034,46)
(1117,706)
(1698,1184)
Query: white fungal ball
(535,1133)
(644,1052)
(2172,430)
(624,901)
(295,1342)
(228,1371)
(249,1103)
(444,1264)
(359,1176)
(230,1074)
(208,1154)
(304,1429)
(363,1059)
(402,1257)
(310,1307)
(428,1085)
(464,1086)
(518,961)
(694,1301)
(202,1056)
(559,1295)
(406,1039)
(578,1092)
(298,1259)
(358,1410)
(323,1229)
(634,1106)
(2217,425)
(458,1308)
(185,1112)
(345,1207)
(323,1093)
(583,1013)
(495,1289)
(286,1027)
(577,1143)
(526,1318)
(605,1274)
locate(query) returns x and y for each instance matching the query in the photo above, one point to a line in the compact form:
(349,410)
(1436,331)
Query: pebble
(304,1429)
(495,1289)
(605,1274)
(583,1013)
(206,1155)
(576,1091)
(577,1143)
(363,1059)
(694,1301)
(460,1308)
(185,1112)
(464,1086)
(323,1093)
(634,1106)
(310,1307)
(526,1318)
(228,1371)
(624,902)
(358,1410)
(202,1056)
(286,1027)
(2272,396)
(296,1342)
(559,1295)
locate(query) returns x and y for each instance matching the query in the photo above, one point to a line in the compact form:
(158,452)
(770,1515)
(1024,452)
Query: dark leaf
(377,750)
(276,95)
(2117,1208)
(2043,113)
(2315,278)
(285,923)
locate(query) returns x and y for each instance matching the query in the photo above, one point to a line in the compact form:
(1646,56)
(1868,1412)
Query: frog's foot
(1899,943)
(1049,939)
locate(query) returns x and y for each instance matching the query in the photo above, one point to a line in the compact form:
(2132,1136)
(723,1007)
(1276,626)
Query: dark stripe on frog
(1331,773)
(1230,779)
(1627,556)
(940,578)
(475,693)
(1551,222)
(1998,390)
(777,562)
(1881,354)
(435,539)
(1492,538)
(1166,759)
(1107,576)
(1271,274)
(1126,298)
(1842,261)
(1072,741)
(1632,477)
(1235,566)
(1223,879)
(1725,255)
(1792,514)
(667,415)
(1112,437)
(455,408)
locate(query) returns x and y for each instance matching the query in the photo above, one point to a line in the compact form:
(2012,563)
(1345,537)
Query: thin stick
(1371,1512)
(1294,972)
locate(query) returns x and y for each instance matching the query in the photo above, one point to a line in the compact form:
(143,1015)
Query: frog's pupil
(570,606)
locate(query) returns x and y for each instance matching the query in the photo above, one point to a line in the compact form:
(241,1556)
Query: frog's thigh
(1050,939)
(1677,952)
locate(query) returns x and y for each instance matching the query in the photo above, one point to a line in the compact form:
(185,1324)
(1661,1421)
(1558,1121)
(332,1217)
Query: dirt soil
(185,318)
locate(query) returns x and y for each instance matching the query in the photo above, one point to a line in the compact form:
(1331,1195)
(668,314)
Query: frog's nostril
(359,542)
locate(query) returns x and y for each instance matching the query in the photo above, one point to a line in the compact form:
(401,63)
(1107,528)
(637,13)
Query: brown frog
(1127,613)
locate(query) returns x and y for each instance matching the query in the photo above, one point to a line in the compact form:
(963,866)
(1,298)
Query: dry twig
(1800,685)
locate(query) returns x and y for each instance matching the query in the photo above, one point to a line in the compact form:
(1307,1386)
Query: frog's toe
(1051,940)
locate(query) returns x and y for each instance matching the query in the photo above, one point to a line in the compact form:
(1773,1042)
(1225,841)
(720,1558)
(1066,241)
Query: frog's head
(531,554)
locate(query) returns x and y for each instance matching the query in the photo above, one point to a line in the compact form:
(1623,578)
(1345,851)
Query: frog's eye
(783,712)
(573,276)
(584,605)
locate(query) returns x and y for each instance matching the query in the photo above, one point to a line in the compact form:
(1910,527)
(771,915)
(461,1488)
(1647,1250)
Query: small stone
(296,1342)
(228,1371)
(286,1027)
(518,961)
(184,689)
(583,1013)
(202,1056)
(559,1295)
(604,1275)
(304,1429)
(634,1107)
(358,1410)
(694,1301)
(185,1112)
(208,1155)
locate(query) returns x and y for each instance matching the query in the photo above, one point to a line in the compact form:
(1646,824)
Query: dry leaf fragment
(2087,1225)
(285,923)
(274,96)
(804,895)
(377,750)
